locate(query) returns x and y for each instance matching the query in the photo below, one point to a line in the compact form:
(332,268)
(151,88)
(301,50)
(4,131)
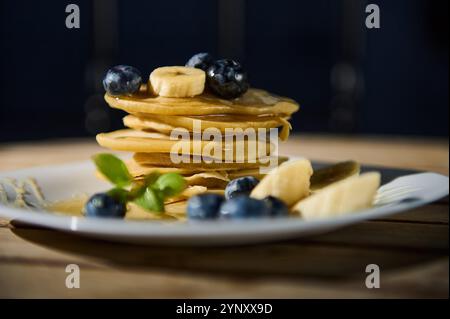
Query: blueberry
(227,79)
(104,205)
(200,61)
(122,80)
(240,186)
(204,206)
(243,206)
(277,207)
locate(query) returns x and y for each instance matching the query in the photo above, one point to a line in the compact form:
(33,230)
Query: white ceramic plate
(63,181)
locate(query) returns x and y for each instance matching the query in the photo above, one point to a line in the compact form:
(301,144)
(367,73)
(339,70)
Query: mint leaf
(120,194)
(170,184)
(113,169)
(137,190)
(151,200)
(151,178)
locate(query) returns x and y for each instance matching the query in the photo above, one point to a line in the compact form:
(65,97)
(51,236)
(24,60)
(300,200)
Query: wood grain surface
(411,248)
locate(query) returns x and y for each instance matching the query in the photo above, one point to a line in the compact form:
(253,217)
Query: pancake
(167,124)
(147,124)
(212,179)
(178,208)
(253,102)
(139,169)
(209,180)
(192,191)
(173,212)
(203,177)
(245,172)
(163,160)
(146,142)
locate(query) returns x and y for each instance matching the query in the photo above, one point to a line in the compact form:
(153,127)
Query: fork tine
(383,189)
(396,193)
(391,198)
(392,194)
(397,190)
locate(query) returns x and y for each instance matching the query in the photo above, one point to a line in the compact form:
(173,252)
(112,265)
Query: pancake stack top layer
(151,119)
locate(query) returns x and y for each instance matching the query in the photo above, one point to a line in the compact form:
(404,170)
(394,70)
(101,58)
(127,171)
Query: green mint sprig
(148,194)
(113,169)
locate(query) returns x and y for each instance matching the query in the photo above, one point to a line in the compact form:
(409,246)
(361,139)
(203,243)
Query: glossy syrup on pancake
(253,102)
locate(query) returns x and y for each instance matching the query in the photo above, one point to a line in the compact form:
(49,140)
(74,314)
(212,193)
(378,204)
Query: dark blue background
(51,75)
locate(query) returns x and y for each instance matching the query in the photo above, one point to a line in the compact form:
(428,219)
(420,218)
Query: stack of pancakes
(152,119)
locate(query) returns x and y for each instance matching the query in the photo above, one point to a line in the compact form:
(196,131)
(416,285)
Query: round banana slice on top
(177,81)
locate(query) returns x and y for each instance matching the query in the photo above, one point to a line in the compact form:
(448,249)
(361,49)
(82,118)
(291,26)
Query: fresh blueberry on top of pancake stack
(207,95)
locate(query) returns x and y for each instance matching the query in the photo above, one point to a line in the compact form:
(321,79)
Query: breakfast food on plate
(349,195)
(227,79)
(122,80)
(177,81)
(331,174)
(289,182)
(189,130)
(240,186)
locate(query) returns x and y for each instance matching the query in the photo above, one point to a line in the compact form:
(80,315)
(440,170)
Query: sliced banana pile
(343,197)
(328,192)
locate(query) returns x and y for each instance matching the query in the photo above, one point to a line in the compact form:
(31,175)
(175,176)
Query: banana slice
(333,173)
(177,81)
(344,197)
(289,182)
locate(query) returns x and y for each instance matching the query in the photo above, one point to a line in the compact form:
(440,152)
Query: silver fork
(388,194)
(23,193)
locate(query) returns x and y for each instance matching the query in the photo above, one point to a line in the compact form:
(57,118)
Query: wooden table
(411,248)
